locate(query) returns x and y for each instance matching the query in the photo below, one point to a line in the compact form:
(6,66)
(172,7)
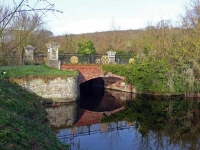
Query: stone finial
(52,51)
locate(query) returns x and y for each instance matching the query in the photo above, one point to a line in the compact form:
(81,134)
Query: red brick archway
(88,72)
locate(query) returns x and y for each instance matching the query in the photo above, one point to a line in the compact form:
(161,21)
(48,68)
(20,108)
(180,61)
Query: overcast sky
(84,16)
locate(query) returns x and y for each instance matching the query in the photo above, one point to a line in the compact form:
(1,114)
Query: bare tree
(19,23)
(192,14)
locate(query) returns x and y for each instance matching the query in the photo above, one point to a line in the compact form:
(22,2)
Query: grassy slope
(34,70)
(23,122)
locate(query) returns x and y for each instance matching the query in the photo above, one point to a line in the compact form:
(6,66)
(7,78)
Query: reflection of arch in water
(94,97)
(86,117)
(96,101)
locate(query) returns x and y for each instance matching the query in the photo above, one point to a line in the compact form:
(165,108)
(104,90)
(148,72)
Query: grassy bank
(33,70)
(23,122)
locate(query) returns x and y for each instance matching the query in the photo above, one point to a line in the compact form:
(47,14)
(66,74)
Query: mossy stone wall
(58,89)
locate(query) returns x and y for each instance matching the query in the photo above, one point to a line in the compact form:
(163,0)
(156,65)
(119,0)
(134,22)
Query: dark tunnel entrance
(94,97)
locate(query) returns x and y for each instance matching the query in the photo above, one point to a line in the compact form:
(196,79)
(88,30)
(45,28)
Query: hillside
(103,41)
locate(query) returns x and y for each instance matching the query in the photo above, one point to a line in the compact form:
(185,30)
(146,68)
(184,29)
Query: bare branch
(23,20)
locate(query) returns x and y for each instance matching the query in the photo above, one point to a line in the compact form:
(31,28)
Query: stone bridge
(89,72)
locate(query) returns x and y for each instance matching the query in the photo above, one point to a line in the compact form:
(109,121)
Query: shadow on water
(99,100)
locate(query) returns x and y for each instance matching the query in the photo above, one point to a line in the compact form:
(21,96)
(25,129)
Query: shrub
(86,48)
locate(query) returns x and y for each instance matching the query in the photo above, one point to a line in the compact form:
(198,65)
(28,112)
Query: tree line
(23,25)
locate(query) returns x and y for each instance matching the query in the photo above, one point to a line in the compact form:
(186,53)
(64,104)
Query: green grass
(33,70)
(23,122)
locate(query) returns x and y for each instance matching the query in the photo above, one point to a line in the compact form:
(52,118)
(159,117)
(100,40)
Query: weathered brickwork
(86,72)
(111,81)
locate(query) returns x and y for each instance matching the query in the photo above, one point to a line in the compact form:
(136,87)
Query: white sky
(85,16)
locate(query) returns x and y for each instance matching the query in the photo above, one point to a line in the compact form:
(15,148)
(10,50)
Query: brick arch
(88,72)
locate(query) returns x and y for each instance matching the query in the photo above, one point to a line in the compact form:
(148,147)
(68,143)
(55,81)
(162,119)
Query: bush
(86,48)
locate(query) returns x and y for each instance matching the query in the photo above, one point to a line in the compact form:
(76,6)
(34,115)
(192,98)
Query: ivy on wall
(157,77)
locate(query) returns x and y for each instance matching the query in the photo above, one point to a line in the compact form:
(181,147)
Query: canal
(112,120)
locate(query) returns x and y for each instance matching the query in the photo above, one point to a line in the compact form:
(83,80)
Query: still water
(112,120)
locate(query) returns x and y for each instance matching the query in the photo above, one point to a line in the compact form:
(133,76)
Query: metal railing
(82,59)
(122,59)
(91,59)
(65,59)
(18,60)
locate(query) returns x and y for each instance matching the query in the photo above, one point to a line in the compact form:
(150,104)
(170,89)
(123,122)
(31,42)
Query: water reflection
(169,124)
(91,108)
(146,123)
(117,136)
(62,114)
(101,100)
(96,136)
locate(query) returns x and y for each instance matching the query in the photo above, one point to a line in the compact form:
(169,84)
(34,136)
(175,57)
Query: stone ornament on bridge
(98,61)
(74,60)
(105,59)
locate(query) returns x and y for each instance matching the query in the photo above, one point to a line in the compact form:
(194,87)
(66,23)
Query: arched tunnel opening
(94,97)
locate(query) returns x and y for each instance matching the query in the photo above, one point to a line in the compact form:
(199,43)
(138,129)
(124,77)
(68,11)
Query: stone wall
(57,89)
